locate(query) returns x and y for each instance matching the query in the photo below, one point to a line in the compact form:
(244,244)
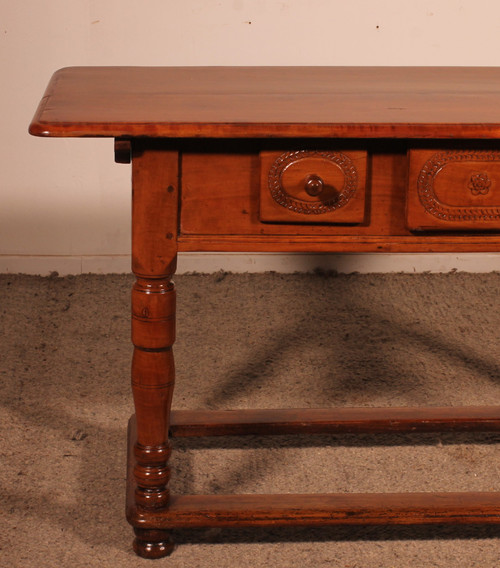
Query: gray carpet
(245,341)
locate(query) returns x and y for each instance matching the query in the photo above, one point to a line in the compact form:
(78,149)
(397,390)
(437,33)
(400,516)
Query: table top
(248,102)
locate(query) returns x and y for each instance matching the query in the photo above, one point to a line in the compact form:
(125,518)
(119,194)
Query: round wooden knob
(314,185)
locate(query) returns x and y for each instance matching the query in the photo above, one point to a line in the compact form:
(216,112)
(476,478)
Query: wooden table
(285,159)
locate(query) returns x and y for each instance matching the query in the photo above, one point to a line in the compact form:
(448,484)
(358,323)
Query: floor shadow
(97,512)
(367,351)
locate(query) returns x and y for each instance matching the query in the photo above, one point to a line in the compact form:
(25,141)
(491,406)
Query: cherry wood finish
(330,509)
(225,189)
(313,186)
(454,189)
(196,511)
(154,254)
(187,423)
(209,150)
(253,102)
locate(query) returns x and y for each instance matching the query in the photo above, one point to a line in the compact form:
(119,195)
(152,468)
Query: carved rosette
(318,207)
(479,184)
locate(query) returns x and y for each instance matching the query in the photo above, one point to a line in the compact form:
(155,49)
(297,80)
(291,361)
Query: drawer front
(313,186)
(454,190)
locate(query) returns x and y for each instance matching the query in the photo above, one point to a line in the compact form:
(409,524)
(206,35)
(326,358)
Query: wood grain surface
(372,102)
(186,423)
(206,195)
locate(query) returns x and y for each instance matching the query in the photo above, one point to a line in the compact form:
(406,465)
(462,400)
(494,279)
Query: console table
(285,159)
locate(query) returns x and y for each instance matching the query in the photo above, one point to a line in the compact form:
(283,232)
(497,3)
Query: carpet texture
(245,341)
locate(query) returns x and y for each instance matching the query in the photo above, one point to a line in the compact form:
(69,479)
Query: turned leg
(154,249)
(153,333)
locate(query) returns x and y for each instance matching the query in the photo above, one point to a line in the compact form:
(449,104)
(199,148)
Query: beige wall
(64,204)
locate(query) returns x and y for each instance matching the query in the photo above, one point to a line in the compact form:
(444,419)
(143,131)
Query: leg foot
(150,543)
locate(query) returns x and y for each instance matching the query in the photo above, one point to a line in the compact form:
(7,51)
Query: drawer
(313,186)
(453,190)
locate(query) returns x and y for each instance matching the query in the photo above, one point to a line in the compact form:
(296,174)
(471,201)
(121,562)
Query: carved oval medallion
(293,174)
(465,192)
